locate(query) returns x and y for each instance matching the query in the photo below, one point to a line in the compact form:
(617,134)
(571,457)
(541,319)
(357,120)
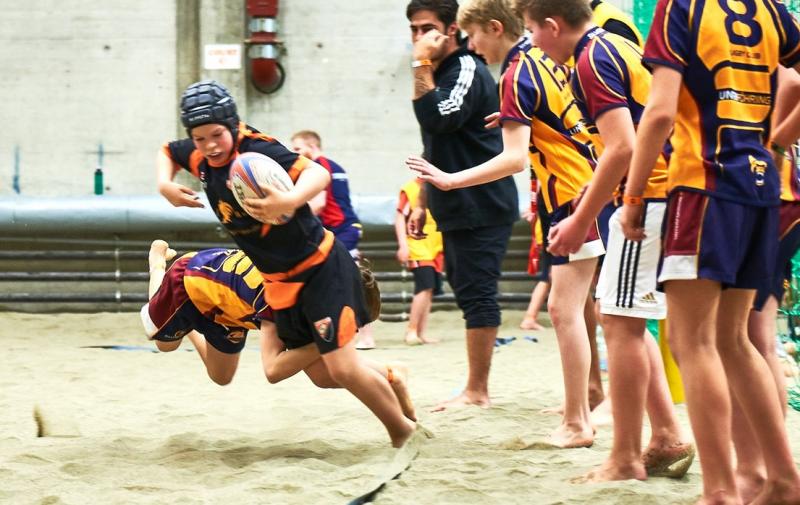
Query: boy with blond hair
(539,118)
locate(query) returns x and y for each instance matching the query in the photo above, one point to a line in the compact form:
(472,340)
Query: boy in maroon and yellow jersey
(715,69)
(540,123)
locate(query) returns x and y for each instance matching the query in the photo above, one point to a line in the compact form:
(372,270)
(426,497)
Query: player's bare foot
(611,470)
(601,414)
(671,461)
(365,342)
(465,399)
(749,485)
(782,492)
(412,338)
(530,324)
(720,497)
(398,439)
(569,437)
(159,254)
(399,385)
(556,411)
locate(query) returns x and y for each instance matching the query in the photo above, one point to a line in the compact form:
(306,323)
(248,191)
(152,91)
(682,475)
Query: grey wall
(75,73)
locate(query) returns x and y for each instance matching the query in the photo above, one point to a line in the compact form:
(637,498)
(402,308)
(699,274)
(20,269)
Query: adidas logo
(649,298)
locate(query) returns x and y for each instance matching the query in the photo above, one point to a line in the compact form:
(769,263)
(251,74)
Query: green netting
(643,15)
(643,10)
(791,310)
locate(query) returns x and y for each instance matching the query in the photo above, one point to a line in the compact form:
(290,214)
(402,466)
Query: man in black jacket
(453,94)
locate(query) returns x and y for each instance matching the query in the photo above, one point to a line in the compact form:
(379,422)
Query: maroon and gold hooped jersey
(609,74)
(728,52)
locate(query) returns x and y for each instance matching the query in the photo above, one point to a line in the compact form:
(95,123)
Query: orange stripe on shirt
(317,258)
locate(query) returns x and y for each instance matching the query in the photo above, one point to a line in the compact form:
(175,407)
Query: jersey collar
(587,37)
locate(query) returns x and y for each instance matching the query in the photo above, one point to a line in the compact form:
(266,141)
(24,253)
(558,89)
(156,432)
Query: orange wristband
(632,200)
(421,63)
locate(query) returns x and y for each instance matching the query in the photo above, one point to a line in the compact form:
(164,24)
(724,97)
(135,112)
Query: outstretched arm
(177,194)
(516,137)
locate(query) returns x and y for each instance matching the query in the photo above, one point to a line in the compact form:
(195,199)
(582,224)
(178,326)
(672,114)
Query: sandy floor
(153,429)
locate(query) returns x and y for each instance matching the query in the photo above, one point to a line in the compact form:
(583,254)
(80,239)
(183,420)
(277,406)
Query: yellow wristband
(632,200)
(421,63)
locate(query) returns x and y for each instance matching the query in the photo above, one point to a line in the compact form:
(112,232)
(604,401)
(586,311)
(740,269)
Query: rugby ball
(249,170)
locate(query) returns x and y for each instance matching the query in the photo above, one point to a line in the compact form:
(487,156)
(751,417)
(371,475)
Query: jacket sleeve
(449,106)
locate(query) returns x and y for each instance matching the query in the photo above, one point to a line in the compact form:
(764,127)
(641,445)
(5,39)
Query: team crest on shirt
(225,212)
(758,168)
(323,327)
(236,336)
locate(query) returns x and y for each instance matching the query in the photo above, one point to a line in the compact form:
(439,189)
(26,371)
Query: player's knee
(559,314)
(323,382)
(167,346)
(341,374)
(271,377)
(221,378)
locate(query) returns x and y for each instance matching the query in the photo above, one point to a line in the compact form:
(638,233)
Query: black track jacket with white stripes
(455,139)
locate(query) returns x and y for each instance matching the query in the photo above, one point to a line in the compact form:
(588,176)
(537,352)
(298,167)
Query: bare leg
(220,366)
(629,368)
(364,338)
(372,389)
(596,395)
(753,386)
(751,472)
(668,454)
(569,291)
(420,308)
(538,299)
(480,347)
(693,306)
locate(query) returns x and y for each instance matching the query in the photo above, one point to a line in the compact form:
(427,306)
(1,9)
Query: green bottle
(98,181)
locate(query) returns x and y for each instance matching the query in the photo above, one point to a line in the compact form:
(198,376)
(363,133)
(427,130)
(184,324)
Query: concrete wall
(77,73)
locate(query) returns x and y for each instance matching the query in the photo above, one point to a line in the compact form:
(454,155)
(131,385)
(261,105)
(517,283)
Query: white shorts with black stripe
(627,284)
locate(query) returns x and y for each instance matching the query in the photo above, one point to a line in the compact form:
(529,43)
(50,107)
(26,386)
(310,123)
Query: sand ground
(153,429)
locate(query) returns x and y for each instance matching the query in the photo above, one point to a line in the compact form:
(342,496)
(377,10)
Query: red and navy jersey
(217,292)
(273,249)
(338,212)
(609,74)
(728,53)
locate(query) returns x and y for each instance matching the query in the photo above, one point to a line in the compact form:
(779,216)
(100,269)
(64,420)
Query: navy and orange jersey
(609,74)
(563,152)
(790,175)
(338,211)
(273,249)
(728,53)
(217,292)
